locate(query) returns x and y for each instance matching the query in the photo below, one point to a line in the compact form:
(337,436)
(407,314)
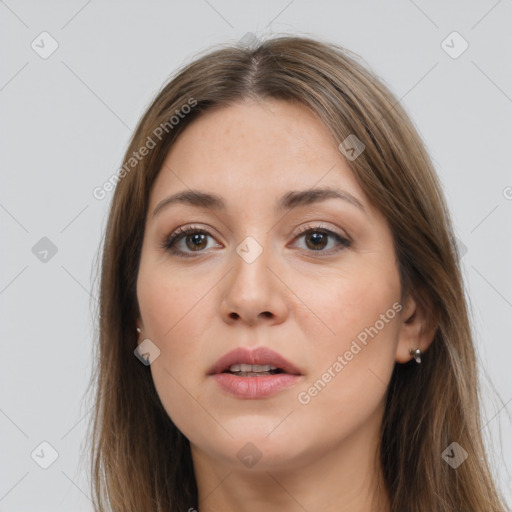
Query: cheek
(167,301)
(353,357)
(166,308)
(341,306)
(169,311)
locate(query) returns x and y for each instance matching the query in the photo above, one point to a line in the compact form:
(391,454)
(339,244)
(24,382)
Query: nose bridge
(251,276)
(252,289)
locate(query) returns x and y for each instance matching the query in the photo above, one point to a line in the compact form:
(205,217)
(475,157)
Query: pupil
(317,238)
(197,239)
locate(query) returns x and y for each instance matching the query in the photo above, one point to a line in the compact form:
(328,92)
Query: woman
(280,259)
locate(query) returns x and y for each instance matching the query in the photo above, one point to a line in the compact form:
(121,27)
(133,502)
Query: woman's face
(311,276)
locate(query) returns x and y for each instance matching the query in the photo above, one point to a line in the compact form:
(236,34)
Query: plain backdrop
(74,80)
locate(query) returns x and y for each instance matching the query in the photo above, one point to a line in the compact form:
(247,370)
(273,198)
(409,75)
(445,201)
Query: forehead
(268,146)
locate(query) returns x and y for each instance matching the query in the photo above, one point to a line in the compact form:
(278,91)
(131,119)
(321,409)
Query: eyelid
(320,226)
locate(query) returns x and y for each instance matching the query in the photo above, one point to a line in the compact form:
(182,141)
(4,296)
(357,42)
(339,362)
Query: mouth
(253,370)
(251,374)
(258,362)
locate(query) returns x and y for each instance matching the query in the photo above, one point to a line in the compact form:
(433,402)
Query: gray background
(66,120)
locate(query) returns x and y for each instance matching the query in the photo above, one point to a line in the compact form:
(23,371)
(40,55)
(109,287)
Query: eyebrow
(290,200)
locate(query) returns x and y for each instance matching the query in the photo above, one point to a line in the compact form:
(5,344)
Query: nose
(253,292)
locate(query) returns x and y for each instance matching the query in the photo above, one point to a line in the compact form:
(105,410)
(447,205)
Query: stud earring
(138,330)
(416,354)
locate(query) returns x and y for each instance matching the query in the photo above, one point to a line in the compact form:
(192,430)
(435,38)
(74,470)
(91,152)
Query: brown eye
(196,241)
(318,238)
(186,241)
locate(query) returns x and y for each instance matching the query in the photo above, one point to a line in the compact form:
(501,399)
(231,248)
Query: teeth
(251,368)
(253,374)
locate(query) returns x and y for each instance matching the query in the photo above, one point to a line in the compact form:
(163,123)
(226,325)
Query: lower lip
(255,387)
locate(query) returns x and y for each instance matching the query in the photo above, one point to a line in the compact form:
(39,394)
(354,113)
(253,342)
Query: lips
(259,356)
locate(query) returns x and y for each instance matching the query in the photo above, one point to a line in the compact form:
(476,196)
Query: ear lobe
(416,331)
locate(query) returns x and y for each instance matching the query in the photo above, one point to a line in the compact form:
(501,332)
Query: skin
(300,297)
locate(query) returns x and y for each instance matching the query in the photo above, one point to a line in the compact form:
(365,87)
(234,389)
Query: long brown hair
(140,461)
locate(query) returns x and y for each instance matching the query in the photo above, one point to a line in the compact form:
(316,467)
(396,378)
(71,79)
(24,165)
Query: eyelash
(181,233)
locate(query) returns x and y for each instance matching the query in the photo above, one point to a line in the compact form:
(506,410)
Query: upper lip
(260,356)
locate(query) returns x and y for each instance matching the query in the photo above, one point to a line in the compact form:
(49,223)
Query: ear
(417,329)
